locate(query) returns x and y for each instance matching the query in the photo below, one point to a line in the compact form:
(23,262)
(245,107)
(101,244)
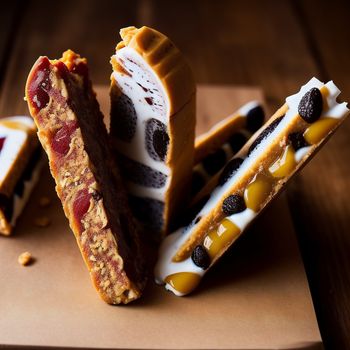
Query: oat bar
(71,129)
(152,124)
(20,165)
(216,147)
(249,182)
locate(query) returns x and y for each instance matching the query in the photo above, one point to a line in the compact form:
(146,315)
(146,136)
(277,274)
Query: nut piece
(25,259)
(42,221)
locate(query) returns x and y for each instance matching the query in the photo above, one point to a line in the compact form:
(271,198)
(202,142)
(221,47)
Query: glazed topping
(318,130)
(233,204)
(297,140)
(285,164)
(310,106)
(183,282)
(200,257)
(61,140)
(157,139)
(40,85)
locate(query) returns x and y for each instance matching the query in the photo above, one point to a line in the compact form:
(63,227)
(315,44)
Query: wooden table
(278,45)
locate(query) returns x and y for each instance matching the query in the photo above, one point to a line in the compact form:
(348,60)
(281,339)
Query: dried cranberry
(81,205)
(40,85)
(60,142)
(2,141)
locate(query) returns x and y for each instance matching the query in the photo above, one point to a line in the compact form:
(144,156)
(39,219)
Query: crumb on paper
(42,221)
(44,201)
(25,259)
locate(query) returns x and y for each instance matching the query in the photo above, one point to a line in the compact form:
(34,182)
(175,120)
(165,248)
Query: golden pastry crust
(72,133)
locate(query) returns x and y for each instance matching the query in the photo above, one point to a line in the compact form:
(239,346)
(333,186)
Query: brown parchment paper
(257,297)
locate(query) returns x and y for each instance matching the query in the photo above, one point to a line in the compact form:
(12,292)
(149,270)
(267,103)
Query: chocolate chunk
(310,106)
(198,181)
(255,118)
(229,170)
(200,257)
(123,119)
(157,139)
(149,211)
(266,132)
(213,162)
(237,141)
(141,174)
(233,204)
(297,140)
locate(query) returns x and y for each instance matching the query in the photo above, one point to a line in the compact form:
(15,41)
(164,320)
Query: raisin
(141,174)
(237,141)
(81,205)
(61,140)
(233,204)
(2,141)
(297,140)
(200,257)
(310,106)
(40,84)
(123,119)
(157,139)
(255,118)
(266,132)
(229,170)
(213,162)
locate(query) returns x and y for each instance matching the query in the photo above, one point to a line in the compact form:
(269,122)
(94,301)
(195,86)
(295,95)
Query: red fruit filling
(81,205)
(40,85)
(2,141)
(60,142)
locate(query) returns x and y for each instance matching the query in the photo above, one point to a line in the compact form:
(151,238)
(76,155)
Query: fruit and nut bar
(20,164)
(71,129)
(216,147)
(152,124)
(249,182)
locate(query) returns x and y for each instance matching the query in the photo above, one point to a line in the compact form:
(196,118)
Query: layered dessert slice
(152,124)
(249,182)
(216,147)
(20,164)
(71,129)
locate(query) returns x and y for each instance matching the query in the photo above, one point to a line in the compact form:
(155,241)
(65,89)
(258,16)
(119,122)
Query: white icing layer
(14,142)
(165,266)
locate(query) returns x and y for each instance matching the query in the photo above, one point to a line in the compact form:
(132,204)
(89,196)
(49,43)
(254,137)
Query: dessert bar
(249,182)
(152,124)
(71,129)
(20,164)
(216,147)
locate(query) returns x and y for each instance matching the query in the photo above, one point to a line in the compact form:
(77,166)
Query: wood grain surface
(278,45)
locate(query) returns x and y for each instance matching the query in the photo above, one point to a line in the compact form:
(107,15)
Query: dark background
(277,45)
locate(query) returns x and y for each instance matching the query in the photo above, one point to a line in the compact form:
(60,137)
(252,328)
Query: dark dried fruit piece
(2,141)
(233,204)
(149,211)
(40,85)
(266,132)
(141,174)
(61,140)
(200,257)
(213,162)
(81,205)
(310,106)
(229,170)
(297,140)
(255,118)
(123,119)
(157,139)
(237,141)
